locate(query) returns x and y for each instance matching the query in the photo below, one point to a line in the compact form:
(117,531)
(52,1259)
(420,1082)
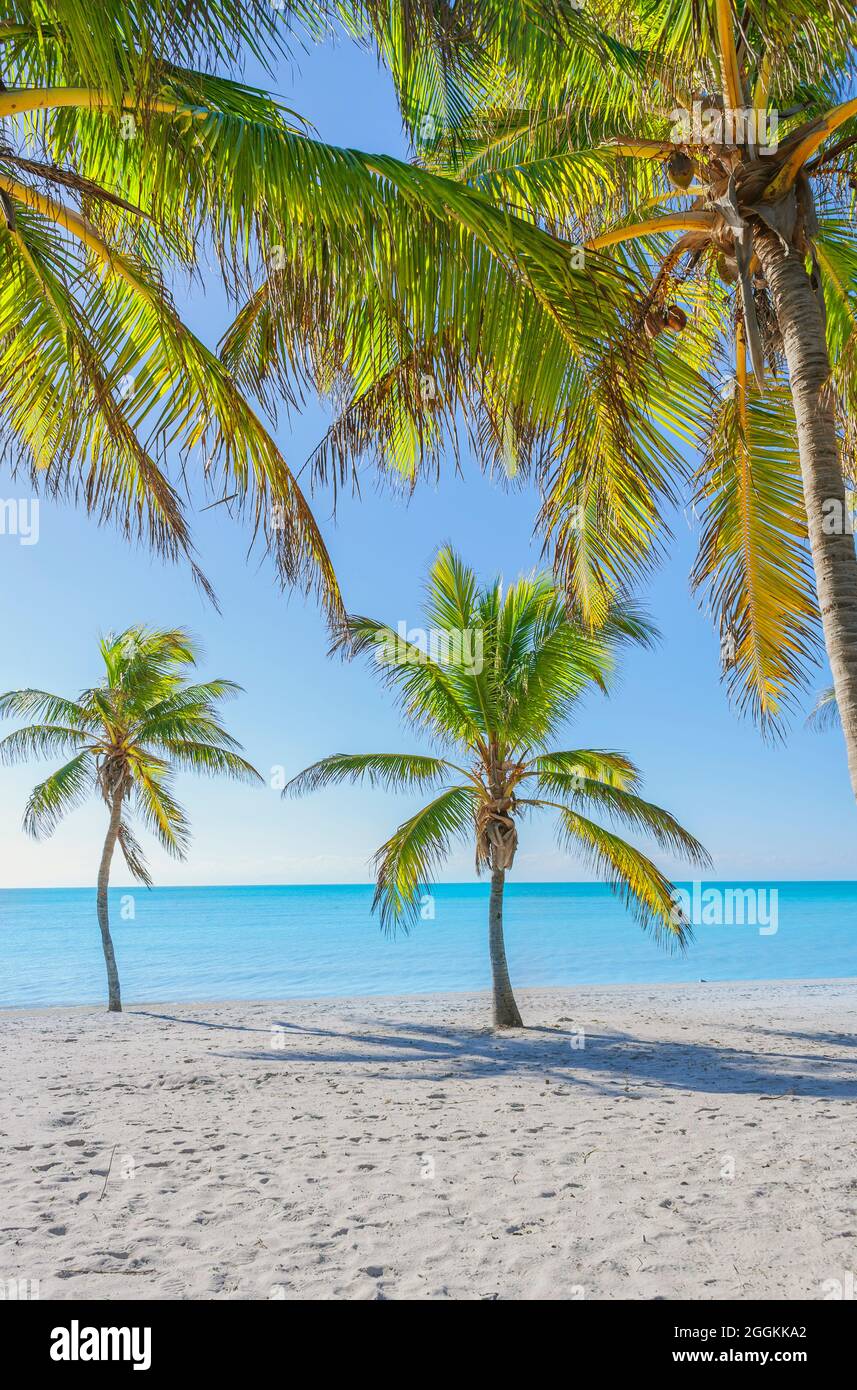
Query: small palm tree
(127,735)
(502,673)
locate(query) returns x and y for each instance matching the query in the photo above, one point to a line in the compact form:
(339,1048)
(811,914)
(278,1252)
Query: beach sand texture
(634,1142)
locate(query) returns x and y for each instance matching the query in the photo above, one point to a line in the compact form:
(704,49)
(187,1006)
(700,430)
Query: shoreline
(631,1142)
(782,986)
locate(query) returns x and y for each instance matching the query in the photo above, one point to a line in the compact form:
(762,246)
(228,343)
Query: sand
(635,1142)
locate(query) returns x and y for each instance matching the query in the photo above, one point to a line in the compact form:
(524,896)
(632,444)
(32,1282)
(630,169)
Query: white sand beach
(701,1143)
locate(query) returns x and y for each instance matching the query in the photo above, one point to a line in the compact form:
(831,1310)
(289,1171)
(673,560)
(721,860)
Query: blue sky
(764,812)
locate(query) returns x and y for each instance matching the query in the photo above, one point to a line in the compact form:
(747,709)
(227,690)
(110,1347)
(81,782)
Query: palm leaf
(631,875)
(405,864)
(158,809)
(753,563)
(60,793)
(134,858)
(40,741)
(614,769)
(392,771)
(592,794)
(825,713)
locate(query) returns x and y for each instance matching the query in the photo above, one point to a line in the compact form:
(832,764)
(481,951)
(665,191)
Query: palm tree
(502,672)
(130,154)
(127,737)
(606,127)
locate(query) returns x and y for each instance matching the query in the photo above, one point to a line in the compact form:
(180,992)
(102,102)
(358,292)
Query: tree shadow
(608,1062)
(197,1022)
(832,1039)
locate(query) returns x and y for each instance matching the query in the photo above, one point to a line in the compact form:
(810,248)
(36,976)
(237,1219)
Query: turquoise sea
(176,944)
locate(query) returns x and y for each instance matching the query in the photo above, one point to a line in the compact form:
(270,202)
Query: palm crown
(504,670)
(127,737)
(740,257)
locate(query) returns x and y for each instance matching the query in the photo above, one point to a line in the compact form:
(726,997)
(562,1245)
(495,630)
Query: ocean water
(175,944)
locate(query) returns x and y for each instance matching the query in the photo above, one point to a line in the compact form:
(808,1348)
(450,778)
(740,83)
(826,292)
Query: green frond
(196,723)
(40,741)
(63,791)
(630,874)
(803,38)
(178,394)
(67,419)
(613,769)
(753,563)
(133,855)
(425,688)
(40,704)
(405,865)
(616,471)
(134,39)
(195,697)
(624,806)
(158,809)
(392,771)
(206,758)
(142,657)
(825,713)
(504,662)
(836,250)
(561,663)
(446,308)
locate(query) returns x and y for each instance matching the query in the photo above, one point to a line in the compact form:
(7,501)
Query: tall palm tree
(502,673)
(131,153)
(127,736)
(600,126)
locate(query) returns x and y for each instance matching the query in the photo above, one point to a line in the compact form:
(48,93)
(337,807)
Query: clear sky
(764,812)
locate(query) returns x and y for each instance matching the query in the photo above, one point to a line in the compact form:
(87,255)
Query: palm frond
(625,806)
(158,808)
(179,392)
(134,858)
(424,687)
(613,769)
(196,756)
(392,771)
(825,713)
(630,874)
(63,791)
(753,563)
(404,866)
(40,741)
(41,704)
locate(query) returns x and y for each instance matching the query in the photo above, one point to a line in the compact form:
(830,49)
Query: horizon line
(456,883)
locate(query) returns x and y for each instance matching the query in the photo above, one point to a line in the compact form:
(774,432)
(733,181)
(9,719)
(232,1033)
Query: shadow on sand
(821,1064)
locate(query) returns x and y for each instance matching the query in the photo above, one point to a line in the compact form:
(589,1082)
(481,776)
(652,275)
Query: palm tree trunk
(114,999)
(833,556)
(505,1009)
